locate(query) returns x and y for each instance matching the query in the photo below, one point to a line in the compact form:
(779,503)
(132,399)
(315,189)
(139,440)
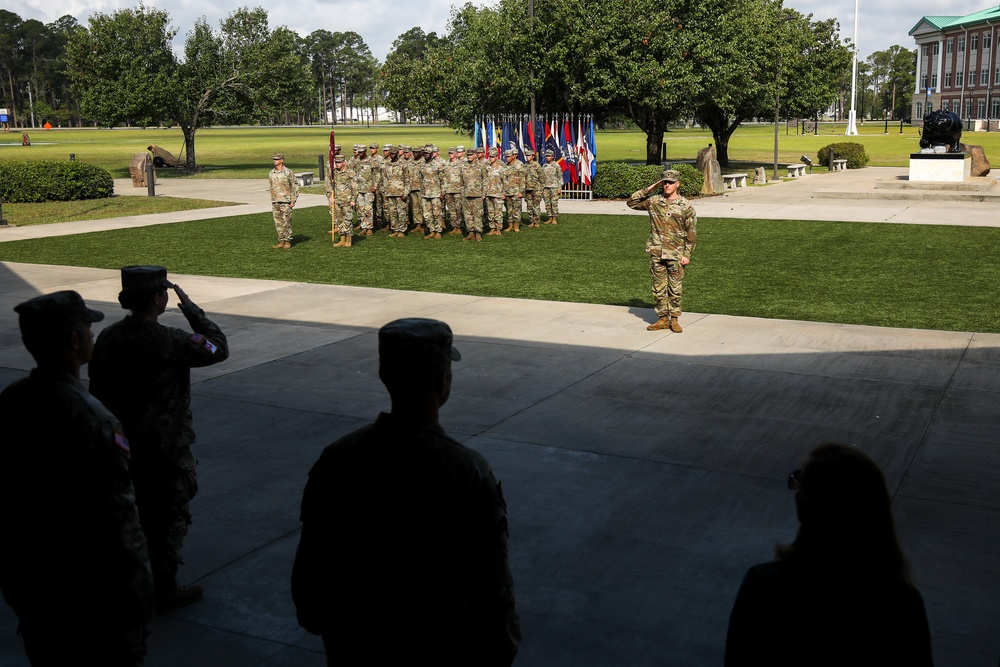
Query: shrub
(617,180)
(53,180)
(854,154)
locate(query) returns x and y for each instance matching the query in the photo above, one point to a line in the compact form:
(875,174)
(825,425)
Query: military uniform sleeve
(691,227)
(207,345)
(639,200)
(293,184)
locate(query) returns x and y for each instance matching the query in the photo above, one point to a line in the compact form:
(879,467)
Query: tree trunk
(654,140)
(722,129)
(189,162)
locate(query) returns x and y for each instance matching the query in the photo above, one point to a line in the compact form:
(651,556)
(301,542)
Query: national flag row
(570,138)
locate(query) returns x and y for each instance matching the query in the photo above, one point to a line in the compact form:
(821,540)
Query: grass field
(245,152)
(96,209)
(915,276)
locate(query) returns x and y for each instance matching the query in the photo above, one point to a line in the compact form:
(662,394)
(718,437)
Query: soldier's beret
(671,175)
(58,310)
(278,156)
(415,345)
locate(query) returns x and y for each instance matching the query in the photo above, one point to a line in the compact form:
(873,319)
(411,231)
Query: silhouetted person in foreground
(840,594)
(73,559)
(403,554)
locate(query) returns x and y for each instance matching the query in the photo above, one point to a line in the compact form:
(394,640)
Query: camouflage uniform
(452,187)
(672,235)
(342,193)
(366,178)
(284,193)
(395,186)
(378,162)
(414,201)
(142,371)
(533,189)
(552,181)
(430,191)
(513,191)
(474,178)
(74,564)
(494,187)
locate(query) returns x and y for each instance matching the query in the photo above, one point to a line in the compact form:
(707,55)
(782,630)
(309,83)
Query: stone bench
(304,178)
(734,181)
(796,170)
(840,165)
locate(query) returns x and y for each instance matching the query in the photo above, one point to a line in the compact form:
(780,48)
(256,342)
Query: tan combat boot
(471,237)
(555,221)
(287,245)
(675,326)
(516,227)
(455,230)
(340,242)
(662,323)
(281,244)
(479,236)
(347,242)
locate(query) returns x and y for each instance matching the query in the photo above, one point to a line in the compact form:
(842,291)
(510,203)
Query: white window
(947,79)
(996,76)
(961,44)
(959,78)
(920,110)
(923,81)
(981,109)
(934,81)
(968,108)
(974,41)
(995,108)
(984,77)
(937,48)
(987,40)
(944,105)
(948,46)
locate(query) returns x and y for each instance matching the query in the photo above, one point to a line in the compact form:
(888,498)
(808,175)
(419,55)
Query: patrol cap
(418,149)
(59,310)
(529,153)
(278,156)
(405,148)
(373,145)
(459,149)
(415,345)
(452,151)
(339,159)
(429,148)
(337,148)
(549,151)
(434,149)
(393,150)
(387,147)
(671,175)
(144,279)
(480,151)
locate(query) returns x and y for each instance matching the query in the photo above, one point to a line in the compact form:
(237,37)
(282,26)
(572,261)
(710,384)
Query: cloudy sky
(881,24)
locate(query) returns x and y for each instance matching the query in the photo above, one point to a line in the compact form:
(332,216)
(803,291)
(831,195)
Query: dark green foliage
(617,180)
(53,180)
(855,154)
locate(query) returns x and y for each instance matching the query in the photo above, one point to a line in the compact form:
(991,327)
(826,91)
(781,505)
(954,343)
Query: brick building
(957,62)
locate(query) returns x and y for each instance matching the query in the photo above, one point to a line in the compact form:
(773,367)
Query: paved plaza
(644,471)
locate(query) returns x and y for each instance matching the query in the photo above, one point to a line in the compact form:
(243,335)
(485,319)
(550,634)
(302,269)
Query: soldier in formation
(284,192)
(552,181)
(342,193)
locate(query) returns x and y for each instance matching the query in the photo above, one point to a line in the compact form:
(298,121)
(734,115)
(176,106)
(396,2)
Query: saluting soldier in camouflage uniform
(431,193)
(452,187)
(342,193)
(142,371)
(532,187)
(395,186)
(366,177)
(552,181)
(73,564)
(284,192)
(474,179)
(672,236)
(495,188)
(513,190)
(414,201)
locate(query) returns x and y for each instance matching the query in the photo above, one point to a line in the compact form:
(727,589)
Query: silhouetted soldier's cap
(59,310)
(278,156)
(415,345)
(671,175)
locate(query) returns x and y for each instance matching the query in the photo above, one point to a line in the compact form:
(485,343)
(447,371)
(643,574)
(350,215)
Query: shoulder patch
(201,341)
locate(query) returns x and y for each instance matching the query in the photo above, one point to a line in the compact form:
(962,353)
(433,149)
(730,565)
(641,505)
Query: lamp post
(777,96)
(852,128)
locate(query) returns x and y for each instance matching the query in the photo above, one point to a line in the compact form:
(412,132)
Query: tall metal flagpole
(852,128)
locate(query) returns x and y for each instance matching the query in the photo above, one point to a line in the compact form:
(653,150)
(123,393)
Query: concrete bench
(796,170)
(304,178)
(840,165)
(734,181)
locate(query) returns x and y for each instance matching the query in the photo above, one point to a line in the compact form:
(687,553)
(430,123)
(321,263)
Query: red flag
(333,143)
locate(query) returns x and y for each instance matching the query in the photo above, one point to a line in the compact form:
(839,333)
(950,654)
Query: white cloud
(882,23)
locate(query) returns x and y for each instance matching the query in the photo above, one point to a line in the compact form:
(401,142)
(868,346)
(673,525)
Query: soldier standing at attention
(385,584)
(672,235)
(474,179)
(431,182)
(494,188)
(141,370)
(552,181)
(73,559)
(453,187)
(377,161)
(532,187)
(513,190)
(365,176)
(284,192)
(395,186)
(414,204)
(342,193)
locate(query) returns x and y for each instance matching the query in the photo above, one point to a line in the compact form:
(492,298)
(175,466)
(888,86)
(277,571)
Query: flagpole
(852,128)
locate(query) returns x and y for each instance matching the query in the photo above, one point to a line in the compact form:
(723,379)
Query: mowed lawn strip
(913,276)
(44,213)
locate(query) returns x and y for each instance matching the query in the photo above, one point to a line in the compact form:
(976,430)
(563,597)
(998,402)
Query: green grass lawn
(245,152)
(916,276)
(95,209)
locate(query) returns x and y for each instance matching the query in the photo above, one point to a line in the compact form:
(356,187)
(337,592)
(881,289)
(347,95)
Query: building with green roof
(957,67)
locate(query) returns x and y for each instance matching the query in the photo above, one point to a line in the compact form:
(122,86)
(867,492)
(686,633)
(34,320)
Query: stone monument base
(940,167)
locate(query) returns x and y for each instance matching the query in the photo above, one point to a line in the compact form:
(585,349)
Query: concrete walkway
(645,471)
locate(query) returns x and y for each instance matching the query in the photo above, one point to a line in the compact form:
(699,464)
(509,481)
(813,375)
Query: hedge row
(855,154)
(617,180)
(53,180)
